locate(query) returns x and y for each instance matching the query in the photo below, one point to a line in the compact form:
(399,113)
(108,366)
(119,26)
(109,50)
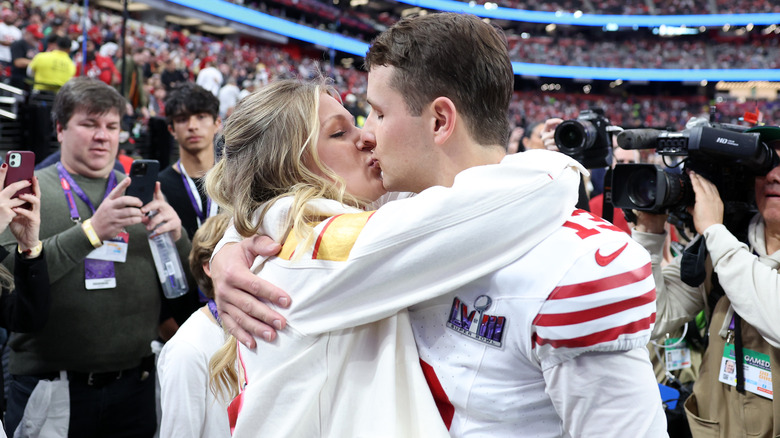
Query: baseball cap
(35,30)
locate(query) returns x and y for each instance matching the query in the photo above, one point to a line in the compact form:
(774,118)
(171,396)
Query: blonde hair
(270,147)
(203,243)
(6,279)
(270,140)
(223,374)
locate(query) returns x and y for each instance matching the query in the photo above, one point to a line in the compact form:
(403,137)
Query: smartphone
(143,174)
(21,166)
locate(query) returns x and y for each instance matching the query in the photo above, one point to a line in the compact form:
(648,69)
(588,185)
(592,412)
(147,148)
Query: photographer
(743,325)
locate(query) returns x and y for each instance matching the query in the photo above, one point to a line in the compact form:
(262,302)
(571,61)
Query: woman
(183,365)
(24,300)
(293,157)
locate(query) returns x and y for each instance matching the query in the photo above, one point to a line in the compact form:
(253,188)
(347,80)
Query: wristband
(89,230)
(33,252)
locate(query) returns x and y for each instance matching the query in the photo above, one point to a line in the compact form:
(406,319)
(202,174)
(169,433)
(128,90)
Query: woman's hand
(7,202)
(26,225)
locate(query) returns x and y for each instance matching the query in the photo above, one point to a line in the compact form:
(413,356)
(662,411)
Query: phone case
(21,166)
(144,175)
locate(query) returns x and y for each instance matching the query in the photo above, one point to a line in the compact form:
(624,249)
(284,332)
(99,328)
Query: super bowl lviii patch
(477,324)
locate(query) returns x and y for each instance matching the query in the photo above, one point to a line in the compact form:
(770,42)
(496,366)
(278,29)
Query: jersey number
(587,224)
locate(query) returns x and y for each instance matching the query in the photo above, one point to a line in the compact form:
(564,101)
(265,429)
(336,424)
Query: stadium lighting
(250,17)
(580,19)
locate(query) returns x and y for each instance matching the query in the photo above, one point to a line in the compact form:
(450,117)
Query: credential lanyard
(69,186)
(213,309)
(195,199)
(739,356)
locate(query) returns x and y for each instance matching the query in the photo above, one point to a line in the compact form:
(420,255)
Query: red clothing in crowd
(103,68)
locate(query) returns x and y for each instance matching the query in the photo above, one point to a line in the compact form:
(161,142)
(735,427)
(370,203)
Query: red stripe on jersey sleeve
(602,284)
(568,318)
(446,409)
(599,337)
(319,238)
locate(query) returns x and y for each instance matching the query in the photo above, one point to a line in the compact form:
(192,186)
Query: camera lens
(574,136)
(642,188)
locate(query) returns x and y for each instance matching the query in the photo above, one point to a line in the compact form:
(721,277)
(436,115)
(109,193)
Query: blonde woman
(292,158)
(183,366)
(296,169)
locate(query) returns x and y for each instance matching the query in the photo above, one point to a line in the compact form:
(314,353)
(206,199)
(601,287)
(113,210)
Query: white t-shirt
(211,79)
(8,34)
(189,409)
(228,98)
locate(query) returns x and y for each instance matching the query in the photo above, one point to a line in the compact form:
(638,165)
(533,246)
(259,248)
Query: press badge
(99,270)
(99,274)
(677,355)
(114,250)
(758,374)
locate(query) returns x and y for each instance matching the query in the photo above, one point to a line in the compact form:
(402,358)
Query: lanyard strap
(213,308)
(197,202)
(69,186)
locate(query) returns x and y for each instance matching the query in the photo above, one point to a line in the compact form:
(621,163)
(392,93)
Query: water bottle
(168,264)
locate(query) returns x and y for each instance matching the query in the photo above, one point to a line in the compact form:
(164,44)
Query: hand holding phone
(24,216)
(21,166)
(143,176)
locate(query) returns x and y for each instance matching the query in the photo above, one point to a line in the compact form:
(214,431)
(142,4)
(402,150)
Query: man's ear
(445,117)
(170,129)
(59,128)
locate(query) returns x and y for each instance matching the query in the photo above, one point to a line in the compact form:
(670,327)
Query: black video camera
(726,155)
(586,138)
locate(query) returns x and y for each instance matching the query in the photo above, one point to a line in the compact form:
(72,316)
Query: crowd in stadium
(644,7)
(253,64)
(643,52)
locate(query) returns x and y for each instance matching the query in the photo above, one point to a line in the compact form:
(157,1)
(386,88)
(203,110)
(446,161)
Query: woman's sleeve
(26,308)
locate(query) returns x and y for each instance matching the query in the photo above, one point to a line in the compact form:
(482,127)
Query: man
(97,66)
(106,293)
(8,34)
(619,156)
(740,296)
(132,78)
(52,69)
(553,343)
(209,77)
(228,97)
(22,53)
(172,77)
(192,116)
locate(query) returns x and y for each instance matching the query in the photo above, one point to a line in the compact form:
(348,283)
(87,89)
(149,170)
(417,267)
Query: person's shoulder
(168,173)
(47,172)
(194,336)
(334,237)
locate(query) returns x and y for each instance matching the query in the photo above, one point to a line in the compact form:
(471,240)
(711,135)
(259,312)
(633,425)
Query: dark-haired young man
(192,114)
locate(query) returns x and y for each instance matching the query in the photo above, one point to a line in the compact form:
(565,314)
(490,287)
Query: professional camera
(587,139)
(730,156)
